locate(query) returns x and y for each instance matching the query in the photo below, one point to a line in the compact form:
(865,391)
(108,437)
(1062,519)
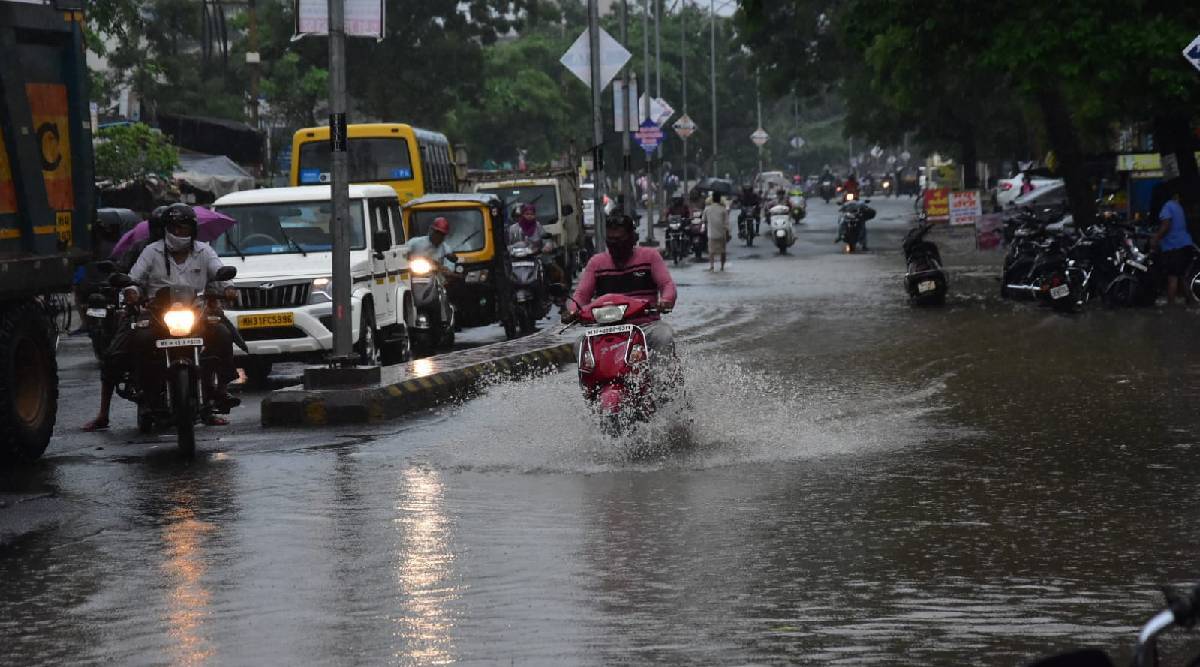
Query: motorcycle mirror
(226,273)
(120,280)
(380,241)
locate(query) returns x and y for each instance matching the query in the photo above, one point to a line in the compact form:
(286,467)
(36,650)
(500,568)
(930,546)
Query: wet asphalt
(858,481)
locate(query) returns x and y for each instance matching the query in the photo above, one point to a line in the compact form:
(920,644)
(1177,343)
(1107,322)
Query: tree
(133,151)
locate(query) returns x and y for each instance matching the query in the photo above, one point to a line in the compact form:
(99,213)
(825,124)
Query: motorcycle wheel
(525,321)
(510,329)
(699,253)
(782,248)
(182,400)
(1194,286)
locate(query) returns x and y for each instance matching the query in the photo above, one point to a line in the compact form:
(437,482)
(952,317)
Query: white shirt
(717,219)
(197,271)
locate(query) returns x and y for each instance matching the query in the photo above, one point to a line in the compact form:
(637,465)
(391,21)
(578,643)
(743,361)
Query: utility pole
(253,63)
(651,181)
(339,183)
(626,160)
(758,102)
(683,85)
(712,9)
(658,175)
(597,125)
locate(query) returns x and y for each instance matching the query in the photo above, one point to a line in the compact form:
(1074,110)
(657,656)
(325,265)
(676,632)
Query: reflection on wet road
(857,482)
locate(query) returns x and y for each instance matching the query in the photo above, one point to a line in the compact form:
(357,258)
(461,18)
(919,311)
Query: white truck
(555,195)
(283,249)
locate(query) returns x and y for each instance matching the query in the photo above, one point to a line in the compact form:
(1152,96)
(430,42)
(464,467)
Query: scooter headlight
(421,266)
(609,314)
(179,320)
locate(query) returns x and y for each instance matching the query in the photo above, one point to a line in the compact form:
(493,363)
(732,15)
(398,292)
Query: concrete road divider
(416,385)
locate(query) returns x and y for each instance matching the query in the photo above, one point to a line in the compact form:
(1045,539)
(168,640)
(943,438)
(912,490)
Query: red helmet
(440,225)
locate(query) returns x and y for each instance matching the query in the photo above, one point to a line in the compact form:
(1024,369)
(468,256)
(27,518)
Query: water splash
(728,415)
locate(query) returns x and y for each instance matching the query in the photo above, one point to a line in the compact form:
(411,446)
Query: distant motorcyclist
(680,208)
(633,270)
(851,185)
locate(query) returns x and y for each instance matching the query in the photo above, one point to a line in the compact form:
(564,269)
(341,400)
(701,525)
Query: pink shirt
(645,275)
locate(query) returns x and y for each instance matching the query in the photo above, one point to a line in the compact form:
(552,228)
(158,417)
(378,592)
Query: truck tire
(28,382)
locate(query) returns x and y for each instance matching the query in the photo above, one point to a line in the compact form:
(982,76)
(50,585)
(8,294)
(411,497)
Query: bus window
(372,160)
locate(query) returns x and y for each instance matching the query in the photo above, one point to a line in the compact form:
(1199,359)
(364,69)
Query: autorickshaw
(480,292)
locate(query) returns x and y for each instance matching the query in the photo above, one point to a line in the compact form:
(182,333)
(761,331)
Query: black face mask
(622,250)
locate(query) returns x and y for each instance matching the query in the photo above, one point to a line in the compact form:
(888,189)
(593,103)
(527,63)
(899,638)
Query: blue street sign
(649,135)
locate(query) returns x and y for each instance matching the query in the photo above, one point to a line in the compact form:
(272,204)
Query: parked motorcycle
(678,241)
(852,218)
(1182,611)
(433,327)
(781,227)
(177,318)
(924,279)
(615,362)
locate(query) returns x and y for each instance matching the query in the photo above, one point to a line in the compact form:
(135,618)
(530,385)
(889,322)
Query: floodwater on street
(857,481)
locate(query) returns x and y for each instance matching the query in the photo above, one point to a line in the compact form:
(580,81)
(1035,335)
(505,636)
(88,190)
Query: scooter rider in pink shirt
(629,269)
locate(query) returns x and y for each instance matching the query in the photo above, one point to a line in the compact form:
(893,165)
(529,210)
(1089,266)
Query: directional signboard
(876,152)
(1192,52)
(649,135)
(613,57)
(797,143)
(684,127)
(660,111)
(759,137)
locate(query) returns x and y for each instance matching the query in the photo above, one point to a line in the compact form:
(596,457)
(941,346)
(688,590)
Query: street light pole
(758,103)
(683,85)
(598,179)
(658,175)
(339,184)
(650,179)
(712,9)
(626,160)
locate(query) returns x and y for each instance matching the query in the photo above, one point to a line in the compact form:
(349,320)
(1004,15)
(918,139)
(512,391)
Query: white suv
(282,247)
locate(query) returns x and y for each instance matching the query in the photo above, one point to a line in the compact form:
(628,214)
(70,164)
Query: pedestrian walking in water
(716,217)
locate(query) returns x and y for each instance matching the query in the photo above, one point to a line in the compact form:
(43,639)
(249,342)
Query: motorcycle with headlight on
(433,326)
(176,318)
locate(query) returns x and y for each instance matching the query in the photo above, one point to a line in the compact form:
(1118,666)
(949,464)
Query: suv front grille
(276,296)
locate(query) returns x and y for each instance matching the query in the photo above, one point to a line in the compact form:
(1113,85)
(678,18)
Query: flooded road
(860,482)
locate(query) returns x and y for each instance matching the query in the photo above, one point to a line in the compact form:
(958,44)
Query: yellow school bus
(413,161)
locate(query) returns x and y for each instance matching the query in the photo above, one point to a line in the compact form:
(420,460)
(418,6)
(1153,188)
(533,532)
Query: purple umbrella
(210,226)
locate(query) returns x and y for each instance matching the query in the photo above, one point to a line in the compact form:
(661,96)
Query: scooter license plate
(179,342)
(98,313)
(926,286)
(1060,291)
(604,331)
(517,265)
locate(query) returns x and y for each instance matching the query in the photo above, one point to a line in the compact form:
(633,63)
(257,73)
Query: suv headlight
(321,291)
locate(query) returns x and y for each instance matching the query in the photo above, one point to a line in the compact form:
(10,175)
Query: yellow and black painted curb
(322,407)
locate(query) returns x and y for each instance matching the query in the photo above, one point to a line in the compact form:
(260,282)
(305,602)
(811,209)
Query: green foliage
(130,152)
